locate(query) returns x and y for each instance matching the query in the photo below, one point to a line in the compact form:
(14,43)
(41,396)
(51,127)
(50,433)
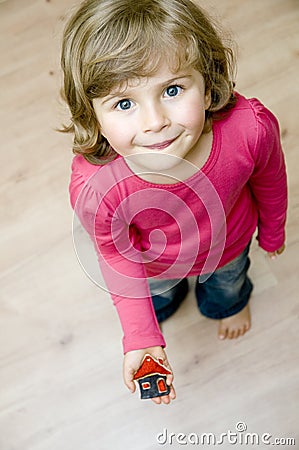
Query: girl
(174,170)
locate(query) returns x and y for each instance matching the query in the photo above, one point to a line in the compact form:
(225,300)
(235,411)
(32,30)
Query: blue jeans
(224,293)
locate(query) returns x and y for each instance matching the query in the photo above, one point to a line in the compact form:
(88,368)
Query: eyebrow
(172,80)
(126,92)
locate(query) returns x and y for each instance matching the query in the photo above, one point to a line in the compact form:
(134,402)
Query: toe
(231,334)
(242,331)
(222,333)
(237,333)
(246,327)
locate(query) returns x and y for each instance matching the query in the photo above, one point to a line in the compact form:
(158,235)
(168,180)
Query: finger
(169,379)
(172,393)
(159,400)
(165,399)
(171,396)
(164,362)
(156,400)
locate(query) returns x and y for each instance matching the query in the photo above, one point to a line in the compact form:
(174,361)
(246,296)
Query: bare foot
(236,325)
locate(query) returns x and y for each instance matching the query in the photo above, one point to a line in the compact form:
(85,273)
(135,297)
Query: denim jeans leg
(227,290)
(167,295)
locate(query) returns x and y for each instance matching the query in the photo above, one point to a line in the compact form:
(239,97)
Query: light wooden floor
(60,377)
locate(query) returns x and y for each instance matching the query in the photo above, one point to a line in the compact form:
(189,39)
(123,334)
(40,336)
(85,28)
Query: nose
(154,118)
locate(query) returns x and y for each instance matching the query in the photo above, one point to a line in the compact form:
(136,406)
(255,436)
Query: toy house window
(146,385)
(161,385)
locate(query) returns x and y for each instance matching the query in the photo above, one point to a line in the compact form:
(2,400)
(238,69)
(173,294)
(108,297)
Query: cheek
(193,116)
(112,127)
(118,134)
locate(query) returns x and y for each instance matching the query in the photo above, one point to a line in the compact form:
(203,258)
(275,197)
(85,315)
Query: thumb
(272,255)
(128,379)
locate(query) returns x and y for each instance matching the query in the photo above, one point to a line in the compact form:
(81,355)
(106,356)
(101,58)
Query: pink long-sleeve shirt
(143,229)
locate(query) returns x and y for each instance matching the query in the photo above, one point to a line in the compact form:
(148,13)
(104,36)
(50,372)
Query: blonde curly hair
(108,42)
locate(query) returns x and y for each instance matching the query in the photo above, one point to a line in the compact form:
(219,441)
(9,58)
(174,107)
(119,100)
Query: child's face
(161,114)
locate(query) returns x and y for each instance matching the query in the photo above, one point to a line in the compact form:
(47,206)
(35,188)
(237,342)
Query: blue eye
(173,91)
(124,105)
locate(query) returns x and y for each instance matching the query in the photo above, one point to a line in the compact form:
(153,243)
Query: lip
(161,145)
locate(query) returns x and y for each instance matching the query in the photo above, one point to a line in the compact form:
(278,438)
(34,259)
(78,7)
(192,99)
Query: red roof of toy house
(150,366)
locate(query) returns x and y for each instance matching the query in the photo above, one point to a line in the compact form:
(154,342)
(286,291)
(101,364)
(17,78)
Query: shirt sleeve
(268,182)
(122,270)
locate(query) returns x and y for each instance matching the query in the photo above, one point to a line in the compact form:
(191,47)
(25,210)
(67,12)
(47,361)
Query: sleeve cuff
(132,343)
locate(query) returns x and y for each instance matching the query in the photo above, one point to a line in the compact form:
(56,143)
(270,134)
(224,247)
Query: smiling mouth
(161,145)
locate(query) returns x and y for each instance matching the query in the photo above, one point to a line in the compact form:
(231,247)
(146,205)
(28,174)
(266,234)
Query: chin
(154,161)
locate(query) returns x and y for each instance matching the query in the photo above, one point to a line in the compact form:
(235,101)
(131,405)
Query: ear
(101,132)
(100,129)
(208,99)
(97,116)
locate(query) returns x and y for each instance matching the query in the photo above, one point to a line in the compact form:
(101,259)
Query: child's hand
(273,255)
(132,362)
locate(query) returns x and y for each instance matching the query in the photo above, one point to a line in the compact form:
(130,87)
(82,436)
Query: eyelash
(122,101)
(180,87)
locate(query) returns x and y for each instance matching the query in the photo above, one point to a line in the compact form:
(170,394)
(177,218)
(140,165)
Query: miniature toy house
(151,377)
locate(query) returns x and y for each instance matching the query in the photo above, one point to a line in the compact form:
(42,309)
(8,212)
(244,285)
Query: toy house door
(161,385)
